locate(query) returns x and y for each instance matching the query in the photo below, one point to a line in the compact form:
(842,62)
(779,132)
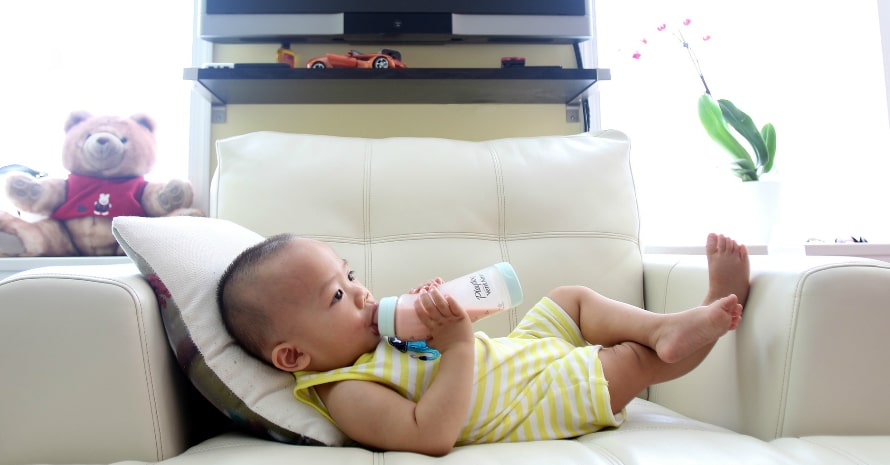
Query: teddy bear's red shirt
(105,197)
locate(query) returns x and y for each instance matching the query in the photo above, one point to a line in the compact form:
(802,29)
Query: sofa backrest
(561,209)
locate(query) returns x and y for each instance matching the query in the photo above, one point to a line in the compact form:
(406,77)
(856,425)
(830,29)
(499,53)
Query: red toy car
(512,62)
(386,58)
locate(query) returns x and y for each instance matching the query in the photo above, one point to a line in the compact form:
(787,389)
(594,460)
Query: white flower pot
(758,208)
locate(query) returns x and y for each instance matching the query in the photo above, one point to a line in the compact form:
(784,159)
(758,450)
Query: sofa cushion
(183,258)
(561,209)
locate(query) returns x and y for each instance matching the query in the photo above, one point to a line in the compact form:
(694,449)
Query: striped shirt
(543,381)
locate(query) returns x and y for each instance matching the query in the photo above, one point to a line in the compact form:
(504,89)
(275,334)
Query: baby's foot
(686,332)
(728,269)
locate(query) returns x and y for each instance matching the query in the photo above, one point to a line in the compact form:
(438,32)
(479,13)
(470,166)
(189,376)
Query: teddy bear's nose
(102,140)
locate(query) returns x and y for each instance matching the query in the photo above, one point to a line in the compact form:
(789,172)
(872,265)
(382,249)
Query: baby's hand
(447,320)
(433,283)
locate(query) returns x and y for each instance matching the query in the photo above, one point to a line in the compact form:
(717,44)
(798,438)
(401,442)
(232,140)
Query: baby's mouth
(374,320)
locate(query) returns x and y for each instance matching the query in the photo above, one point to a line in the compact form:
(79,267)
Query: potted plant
(714,117)
(724,122)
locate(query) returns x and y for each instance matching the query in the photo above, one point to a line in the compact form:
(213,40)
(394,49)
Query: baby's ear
(288,358)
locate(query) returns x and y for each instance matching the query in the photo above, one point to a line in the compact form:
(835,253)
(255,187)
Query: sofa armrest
(88,375)
(809,357)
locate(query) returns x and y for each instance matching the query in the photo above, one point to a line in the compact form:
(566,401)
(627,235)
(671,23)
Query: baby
(569,368)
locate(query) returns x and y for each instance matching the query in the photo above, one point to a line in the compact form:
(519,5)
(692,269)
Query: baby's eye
(338,296)
(351,275)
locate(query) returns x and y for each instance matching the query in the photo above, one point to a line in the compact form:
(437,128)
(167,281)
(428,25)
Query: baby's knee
(571,293)
(570,298)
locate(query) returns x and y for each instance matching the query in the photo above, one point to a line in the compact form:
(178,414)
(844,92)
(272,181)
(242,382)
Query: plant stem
(694,60)
(707,91)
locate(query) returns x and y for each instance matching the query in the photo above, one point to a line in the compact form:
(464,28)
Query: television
(400,21)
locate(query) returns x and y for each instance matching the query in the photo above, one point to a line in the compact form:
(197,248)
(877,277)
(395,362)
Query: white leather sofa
(87,374)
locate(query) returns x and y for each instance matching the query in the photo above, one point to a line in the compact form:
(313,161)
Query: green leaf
(742,123)
(713,121)
(768,132)
(745,170)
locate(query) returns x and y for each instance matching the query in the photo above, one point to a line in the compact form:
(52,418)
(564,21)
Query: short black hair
(246,321)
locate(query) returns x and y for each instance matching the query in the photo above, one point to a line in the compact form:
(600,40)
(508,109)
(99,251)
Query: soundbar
(399,21)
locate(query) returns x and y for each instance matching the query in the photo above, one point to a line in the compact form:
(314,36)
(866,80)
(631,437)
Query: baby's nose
(361,298)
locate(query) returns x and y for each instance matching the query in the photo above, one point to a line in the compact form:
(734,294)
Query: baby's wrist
(457,347)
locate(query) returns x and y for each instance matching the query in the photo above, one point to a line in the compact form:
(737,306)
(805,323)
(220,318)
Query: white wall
(818,77)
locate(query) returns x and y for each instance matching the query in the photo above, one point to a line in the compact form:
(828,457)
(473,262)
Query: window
(116,57)
(812,68)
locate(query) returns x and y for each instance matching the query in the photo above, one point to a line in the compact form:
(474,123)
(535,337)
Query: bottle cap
(513,286)
(386,316)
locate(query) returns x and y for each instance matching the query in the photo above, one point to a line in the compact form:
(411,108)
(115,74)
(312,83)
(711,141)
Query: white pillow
(183,258)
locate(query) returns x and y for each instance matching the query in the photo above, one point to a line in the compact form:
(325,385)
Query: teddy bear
(107,158)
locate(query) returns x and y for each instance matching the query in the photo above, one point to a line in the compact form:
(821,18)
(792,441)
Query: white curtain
(813,68)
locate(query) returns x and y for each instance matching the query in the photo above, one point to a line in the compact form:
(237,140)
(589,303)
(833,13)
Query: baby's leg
(609,322)
(673,336)
(728,273)
(728,269)
(692,333)
(630,367)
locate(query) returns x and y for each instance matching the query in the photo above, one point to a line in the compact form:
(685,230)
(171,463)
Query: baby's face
(320,307)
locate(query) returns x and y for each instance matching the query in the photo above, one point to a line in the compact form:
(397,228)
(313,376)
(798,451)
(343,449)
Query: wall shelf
(275,85)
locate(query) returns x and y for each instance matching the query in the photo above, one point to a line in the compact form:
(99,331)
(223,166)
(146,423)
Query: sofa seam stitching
(789,355)
(366,211)
(153,401)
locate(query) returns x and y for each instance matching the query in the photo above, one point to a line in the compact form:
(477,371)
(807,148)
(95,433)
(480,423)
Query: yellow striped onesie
(543,381)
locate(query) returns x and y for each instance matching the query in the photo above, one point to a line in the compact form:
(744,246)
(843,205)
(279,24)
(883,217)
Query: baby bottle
(481,293)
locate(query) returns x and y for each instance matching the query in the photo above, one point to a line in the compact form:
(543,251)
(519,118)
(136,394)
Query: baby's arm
(377,416)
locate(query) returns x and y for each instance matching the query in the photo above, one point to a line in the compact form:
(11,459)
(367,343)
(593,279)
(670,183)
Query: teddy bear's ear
(75,118)
(144,120)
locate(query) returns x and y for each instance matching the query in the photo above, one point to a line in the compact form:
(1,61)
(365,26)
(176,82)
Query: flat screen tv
(404,21)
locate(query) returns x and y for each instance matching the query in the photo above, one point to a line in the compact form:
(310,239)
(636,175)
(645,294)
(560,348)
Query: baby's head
(293,303)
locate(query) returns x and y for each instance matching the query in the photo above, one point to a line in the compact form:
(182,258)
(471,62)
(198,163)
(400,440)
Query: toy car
(386,58)
(512,62)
